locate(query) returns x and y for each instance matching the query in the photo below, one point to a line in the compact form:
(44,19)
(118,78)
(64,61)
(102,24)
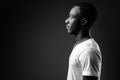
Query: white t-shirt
(85,60)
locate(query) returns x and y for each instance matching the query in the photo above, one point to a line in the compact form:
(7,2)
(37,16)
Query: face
(72,20)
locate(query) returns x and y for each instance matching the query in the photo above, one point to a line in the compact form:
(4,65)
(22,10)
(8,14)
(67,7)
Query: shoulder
(89,51)
(92,53)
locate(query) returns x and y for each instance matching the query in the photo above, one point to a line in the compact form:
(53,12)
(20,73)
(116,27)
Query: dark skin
(76,25)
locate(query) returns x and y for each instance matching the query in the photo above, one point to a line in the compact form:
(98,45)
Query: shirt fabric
(85,60)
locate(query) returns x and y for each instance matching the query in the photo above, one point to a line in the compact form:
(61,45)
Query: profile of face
(72,20)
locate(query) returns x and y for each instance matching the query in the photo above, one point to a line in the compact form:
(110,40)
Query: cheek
(72,21)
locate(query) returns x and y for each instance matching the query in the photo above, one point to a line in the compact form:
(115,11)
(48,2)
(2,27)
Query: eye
(71,16)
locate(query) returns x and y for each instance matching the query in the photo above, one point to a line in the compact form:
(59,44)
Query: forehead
(75,10)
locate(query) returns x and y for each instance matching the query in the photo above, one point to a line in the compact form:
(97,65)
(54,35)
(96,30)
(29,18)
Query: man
(85,59)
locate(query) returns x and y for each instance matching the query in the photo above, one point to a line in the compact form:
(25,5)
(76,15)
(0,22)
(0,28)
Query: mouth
(67,27)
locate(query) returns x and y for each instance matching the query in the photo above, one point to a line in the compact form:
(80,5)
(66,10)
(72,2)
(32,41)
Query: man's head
(81,16)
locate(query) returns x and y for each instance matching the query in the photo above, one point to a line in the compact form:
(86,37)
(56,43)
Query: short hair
(88,11)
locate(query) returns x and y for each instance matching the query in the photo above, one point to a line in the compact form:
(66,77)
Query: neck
(82,36)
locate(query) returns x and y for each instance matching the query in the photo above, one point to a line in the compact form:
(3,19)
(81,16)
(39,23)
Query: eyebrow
(71,15)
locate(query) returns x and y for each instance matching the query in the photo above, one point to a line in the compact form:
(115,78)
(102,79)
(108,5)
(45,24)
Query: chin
(70,32)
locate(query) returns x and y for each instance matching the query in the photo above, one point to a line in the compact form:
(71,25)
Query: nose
(66,21)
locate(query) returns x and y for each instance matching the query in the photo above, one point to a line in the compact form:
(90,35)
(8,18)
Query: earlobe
(84,21)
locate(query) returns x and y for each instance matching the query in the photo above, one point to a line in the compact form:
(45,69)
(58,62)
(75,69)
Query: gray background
(36,45)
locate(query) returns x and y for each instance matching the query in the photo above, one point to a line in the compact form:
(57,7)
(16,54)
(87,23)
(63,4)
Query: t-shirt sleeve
(91,63)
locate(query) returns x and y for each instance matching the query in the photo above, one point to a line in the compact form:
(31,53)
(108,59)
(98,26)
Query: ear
(84,21)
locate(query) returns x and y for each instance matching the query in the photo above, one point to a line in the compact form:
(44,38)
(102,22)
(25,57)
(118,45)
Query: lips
(67,27)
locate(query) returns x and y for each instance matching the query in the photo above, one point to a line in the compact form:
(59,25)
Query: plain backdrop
(36,45)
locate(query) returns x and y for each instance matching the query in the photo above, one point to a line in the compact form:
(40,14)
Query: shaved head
(88,11)
(81,16)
